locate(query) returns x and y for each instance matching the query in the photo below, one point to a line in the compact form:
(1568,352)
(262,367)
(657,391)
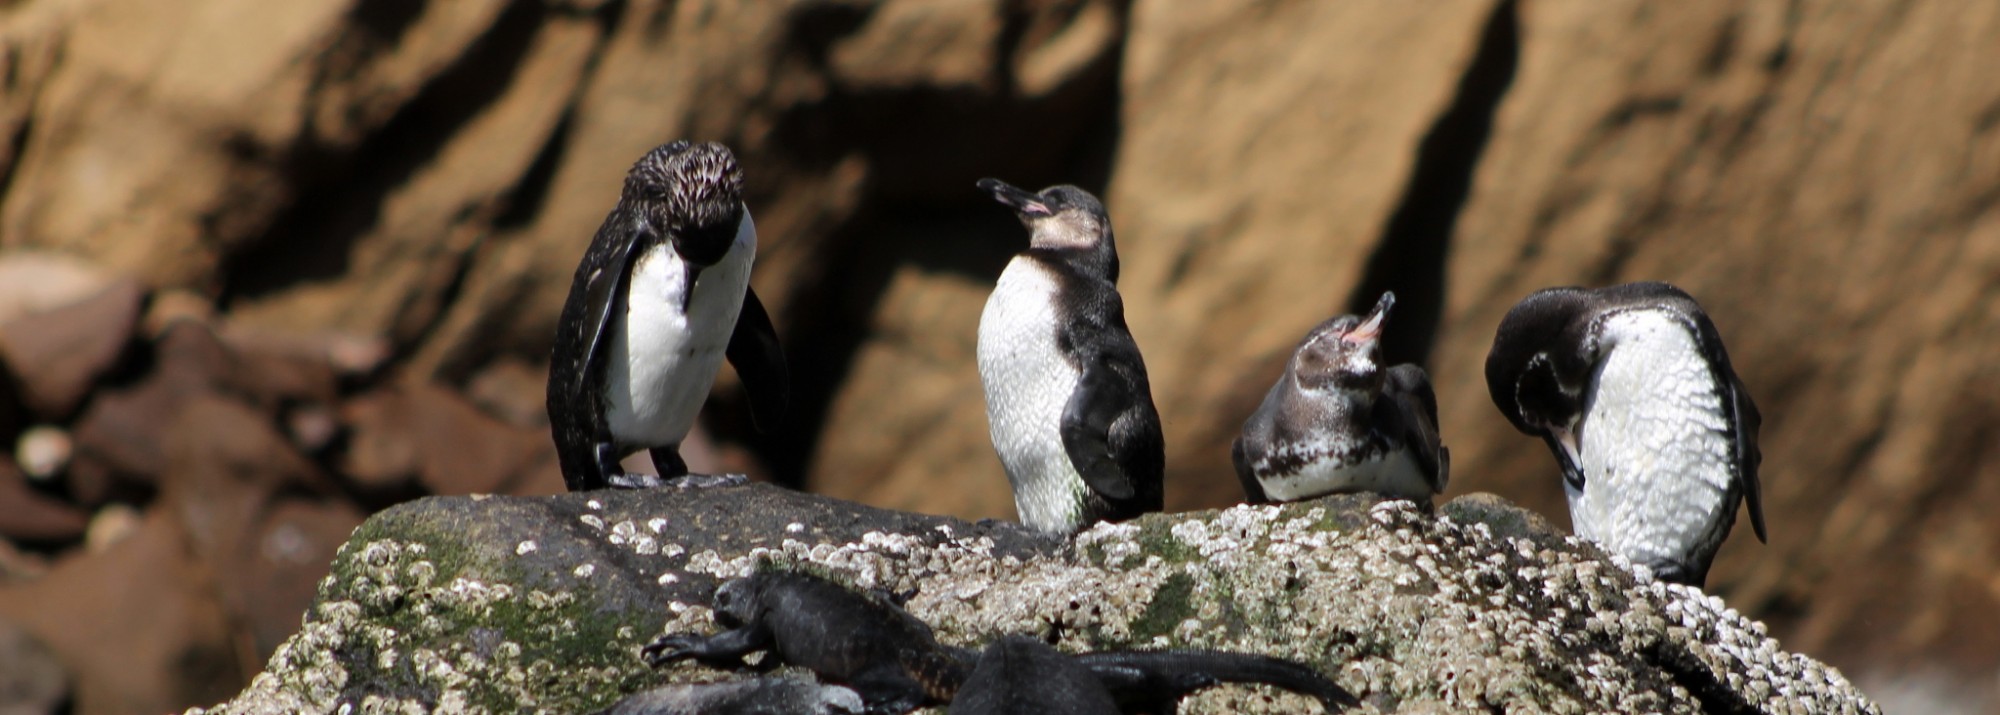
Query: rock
(120,437)
(110,525)
(430,434)
(173,306)
(55,354)
(271,372)
(36,281)
(136,626)
(18,566)
(255,511)
(29,515)
(380,454)
(513,391)
(43,451)
(32,682)
(170,134)
(287,552)
(507,603)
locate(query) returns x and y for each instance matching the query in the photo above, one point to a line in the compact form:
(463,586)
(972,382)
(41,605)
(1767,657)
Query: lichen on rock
(440,605)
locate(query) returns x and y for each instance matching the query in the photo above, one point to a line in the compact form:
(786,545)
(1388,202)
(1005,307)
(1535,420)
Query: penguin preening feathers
(1069,407)
(1634,394)
(1337,421)
(661,296)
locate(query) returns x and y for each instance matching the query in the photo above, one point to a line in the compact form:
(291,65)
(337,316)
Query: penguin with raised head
(1338,421)
(1069,408)
(661,297)
(1633,392)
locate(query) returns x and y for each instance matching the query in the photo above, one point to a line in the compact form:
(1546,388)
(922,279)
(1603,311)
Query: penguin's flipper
(577,361)
(1099,435)
(1748,420)
(1410,393)
(604,297)
(760,362)
(1253,490)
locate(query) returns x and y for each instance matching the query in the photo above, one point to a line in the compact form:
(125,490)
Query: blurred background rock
(266,267)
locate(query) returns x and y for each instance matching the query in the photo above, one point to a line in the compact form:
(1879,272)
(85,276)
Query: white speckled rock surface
(542,604)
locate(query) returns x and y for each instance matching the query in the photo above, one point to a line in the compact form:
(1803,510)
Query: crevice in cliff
(924,147)
(1410,256)
(342,192)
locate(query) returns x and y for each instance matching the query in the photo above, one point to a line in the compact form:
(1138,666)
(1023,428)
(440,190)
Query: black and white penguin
(662,295)
(1656,436)
(1070,410)
(1337,421)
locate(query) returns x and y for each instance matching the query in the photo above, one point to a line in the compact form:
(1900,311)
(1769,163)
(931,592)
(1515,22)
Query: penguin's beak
(687,288)
(1370,328)
(1024,202)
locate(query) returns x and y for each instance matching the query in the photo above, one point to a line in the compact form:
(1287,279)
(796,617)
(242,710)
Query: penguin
(1655,434)
(1067,401)
(661,297)
(1337,421)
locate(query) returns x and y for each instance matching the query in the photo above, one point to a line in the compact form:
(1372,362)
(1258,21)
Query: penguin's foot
(636,480)
(705,481)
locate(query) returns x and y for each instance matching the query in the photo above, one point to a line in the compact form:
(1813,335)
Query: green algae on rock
(542,604)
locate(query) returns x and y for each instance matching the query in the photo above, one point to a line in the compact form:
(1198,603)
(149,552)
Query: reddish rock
(254,510)
(29,515)
(513,391)
(381,449)
(120,435)
(136,626)
(32,681)
(34,282)
(54,355)
(433,434)
(285,557)
(225,463)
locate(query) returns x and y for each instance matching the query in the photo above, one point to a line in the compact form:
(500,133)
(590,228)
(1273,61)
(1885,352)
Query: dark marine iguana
(896,664)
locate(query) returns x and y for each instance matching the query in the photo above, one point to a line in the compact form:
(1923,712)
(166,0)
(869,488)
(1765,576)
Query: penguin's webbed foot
(639,480)
(634,480)
(705,481)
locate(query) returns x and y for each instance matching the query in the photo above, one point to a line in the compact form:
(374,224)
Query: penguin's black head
(1541,357)
(1345,353)
(1058,217)
(693,193)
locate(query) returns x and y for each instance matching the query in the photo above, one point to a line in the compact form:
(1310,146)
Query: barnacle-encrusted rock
(541,604)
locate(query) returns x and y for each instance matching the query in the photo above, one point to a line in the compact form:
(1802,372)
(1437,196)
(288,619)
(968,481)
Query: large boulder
(520,603)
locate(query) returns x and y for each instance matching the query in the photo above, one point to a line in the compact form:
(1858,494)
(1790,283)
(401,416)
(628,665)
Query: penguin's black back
(1096,336)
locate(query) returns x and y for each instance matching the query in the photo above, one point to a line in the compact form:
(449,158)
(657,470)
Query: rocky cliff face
(324,244)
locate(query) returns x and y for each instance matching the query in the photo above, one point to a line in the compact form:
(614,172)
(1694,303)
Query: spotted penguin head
(689,194)
(1345,353)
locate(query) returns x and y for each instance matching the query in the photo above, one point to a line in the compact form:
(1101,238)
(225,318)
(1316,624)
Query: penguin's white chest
(1394,473)
(1028,382)
(663,357)
(1655,443)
